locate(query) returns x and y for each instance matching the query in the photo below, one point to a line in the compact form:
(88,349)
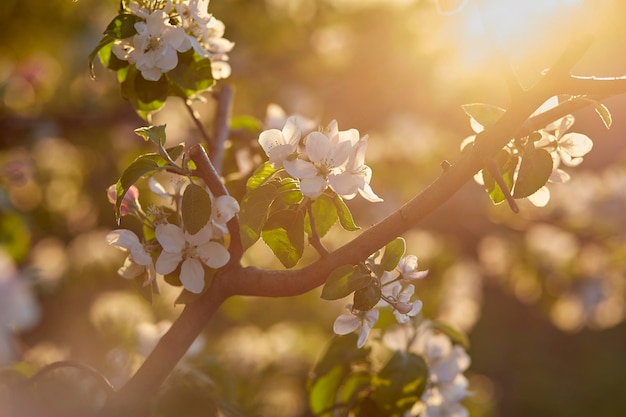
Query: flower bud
(129,202)
(403,308)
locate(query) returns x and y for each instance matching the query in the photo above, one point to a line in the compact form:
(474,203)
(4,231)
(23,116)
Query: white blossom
(138,262)
(280,144)
(190,251)
(355,320)
(407,267)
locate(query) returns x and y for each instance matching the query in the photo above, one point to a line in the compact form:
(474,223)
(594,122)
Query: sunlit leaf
(154,133)
(535,169)
(343,281)
(254,211)
(345,217)
(604,114)
(485,114)
(507,165)
(401,383)
(105,42)
(260,175)
(283,232)
(196,208)
(192,74)
(324,215)
(394,251)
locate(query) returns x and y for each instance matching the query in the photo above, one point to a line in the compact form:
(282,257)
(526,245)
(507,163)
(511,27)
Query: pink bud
(403,308)
(129,200)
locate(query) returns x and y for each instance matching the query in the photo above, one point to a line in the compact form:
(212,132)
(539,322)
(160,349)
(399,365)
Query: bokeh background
(540,293)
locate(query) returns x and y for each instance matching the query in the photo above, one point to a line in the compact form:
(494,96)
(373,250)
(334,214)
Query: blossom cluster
(565,147)
(172,245)
(396,292)
(320,159)
(446,386)
(167,27)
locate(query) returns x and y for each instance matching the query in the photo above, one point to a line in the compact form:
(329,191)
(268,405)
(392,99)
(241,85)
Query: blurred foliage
(544,289)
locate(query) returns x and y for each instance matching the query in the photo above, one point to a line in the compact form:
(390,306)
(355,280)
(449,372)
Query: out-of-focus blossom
(18,307)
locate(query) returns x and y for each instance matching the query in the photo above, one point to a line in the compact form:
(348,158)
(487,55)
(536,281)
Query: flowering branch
(236,280)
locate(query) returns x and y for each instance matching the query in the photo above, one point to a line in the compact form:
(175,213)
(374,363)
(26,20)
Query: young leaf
(192,74)
(143,165)
(122,26)
(485,114)
(254,211)
(324,215)
(260,176)
(345,217)
(154,133)
(393,252)
(400,383)
(604,114)
(343,281)
(535,169)
(366,298)
(324,390)
(507,164)
(106,41)
(289,191)
(196,208)
(284,234)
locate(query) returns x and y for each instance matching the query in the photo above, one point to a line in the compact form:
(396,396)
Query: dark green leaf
(345,217)
(196,208)
(394,251)
(455,335)
(175,151)
(254,211)
(401,383)
(107,42)
(143,165)
(260,175)
(154,133)
(150,93)
(343,281)
(366,298)
(535,169)
(485,114)
(192,74)
(122,26)
(284,234)
(324,215)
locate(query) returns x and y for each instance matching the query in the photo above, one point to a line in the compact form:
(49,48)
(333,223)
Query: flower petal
(345,323)
(167,262)
(171,237)
(299,168)
(213,254)
(313,187)
(192,275)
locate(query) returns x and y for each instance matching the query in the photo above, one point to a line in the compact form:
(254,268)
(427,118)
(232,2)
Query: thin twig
(221,125)
(196,120)
(493,169)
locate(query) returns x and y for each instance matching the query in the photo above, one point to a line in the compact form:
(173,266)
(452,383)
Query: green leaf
(175,151)
(289,191)
(366,298)
(192,74)
(323,392)
(345,217)
(507,164)
(15,235)
(144,165)
(254,211)
(401,383)
(284,234)
(342,351)
(455,335)
(260,176)
(138,91)
(343,281)
(324,215)
(196,208)
(122,26)
(154,133)
(246,122)
(151,93)
(393,253)
(535,169)
(105,42)
(604,114)
(485,114)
